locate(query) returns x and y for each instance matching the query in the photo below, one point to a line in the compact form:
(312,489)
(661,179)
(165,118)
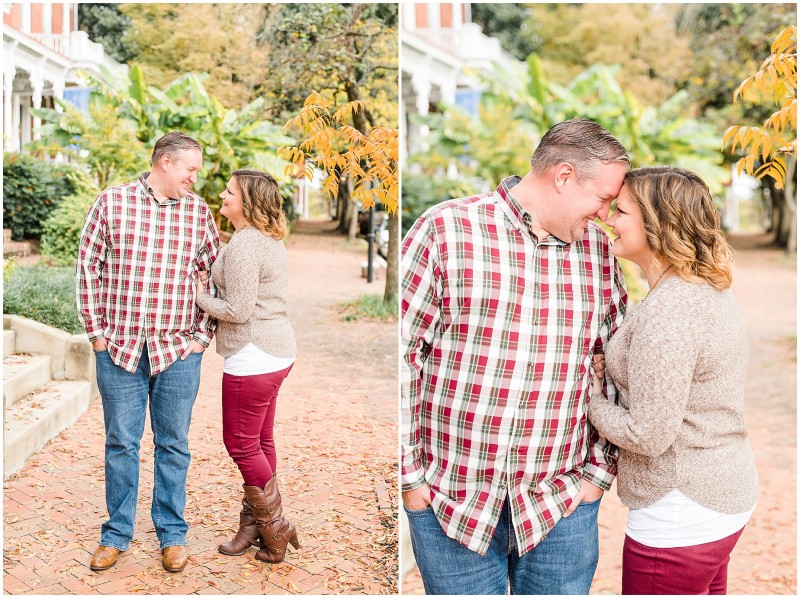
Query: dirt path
(765,559)
(336,433)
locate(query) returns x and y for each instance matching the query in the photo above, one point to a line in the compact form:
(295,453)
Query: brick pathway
(336,433)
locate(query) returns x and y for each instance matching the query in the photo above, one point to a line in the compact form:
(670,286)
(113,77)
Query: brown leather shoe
(174,559)
(103,558)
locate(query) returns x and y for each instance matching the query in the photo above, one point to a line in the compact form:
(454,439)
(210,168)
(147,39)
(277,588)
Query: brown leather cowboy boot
(274,550)
(275,530)
(246,536)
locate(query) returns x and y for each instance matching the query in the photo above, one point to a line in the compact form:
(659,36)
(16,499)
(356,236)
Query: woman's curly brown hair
(262,203)
(682,223)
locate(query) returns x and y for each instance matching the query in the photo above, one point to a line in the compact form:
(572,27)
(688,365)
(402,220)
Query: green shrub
(44,294)
(421,192)
(32,188)
(61,232)
(9,265)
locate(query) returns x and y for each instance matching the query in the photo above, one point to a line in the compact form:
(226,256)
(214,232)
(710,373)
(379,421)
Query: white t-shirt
(676,520)
(252,361)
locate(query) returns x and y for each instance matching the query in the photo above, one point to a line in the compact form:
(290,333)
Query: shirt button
(502,486)
(530,364)
(535,321)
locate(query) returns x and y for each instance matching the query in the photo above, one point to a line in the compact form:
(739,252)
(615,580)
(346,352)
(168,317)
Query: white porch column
(301,198)
(22,111)
(422,90)
(409,15)
(467,14)
(37,85)
(9,130)
(434,16)
(26,17)
(402,122)
(47,19)
(447,91)
(458,15)
(18,107)
(65,17)
(58,94)
(422,87)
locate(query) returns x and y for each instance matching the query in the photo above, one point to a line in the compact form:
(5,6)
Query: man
(505,297)
(140,251)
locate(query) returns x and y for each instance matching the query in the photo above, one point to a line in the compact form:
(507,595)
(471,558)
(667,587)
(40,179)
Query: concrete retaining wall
(71,355)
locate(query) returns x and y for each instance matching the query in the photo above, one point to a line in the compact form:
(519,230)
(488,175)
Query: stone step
(17,248)
(31,422)
(8,342)
(21,374)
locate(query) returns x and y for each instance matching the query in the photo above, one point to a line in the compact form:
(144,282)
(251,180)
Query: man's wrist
(598,477)
(407,485)
(201,340)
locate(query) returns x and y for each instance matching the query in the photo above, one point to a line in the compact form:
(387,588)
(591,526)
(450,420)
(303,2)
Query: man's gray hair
(171,143)
(580,142)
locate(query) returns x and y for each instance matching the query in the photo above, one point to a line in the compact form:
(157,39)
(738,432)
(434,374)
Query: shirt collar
(150,194)
(519,216)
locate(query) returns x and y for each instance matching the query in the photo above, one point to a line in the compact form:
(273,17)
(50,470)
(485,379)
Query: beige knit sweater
(252,277)
(679,361)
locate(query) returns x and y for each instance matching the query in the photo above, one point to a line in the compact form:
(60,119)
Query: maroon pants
(701,569)
(248,415)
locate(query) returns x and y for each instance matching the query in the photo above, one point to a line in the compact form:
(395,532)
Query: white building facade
(43,52)
(442,51)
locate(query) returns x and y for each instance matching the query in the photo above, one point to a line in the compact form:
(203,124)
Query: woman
(256,339)
(685,467)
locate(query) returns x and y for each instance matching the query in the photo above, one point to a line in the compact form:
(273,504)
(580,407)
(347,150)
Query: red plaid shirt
(137,266)
(498,332)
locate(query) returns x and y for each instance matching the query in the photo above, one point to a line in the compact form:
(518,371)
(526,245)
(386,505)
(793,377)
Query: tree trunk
(352,229)
(103,176)
(778,214)
(790,203)
(359,119)
(782,232)
(338,211)
(390,291)
(343,206)
(392,258)
(773,213)
(770,206)
(333,209)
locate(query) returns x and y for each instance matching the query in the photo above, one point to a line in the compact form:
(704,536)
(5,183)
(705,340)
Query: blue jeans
(563,563)
(172,393)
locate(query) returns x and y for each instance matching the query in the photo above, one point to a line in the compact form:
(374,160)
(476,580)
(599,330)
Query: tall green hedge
(61,232)
(32,188)
(421,192)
